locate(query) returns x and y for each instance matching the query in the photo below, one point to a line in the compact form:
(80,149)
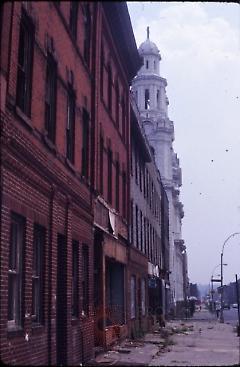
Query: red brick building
(66,262)
(117,61)
(46,294)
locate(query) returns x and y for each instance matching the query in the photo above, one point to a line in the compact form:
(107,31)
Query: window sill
(26,120)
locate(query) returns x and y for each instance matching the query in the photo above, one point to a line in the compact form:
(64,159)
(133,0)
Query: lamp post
(221,311)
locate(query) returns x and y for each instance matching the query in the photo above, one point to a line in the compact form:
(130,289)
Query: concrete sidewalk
(201,341)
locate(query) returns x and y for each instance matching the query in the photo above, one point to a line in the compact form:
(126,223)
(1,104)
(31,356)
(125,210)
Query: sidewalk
(200,341)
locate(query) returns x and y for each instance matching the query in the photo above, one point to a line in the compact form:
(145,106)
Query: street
(199,341)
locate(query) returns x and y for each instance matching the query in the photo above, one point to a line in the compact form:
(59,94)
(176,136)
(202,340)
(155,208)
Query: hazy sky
(200,48)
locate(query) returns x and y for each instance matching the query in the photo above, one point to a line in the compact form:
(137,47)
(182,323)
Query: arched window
(147,99)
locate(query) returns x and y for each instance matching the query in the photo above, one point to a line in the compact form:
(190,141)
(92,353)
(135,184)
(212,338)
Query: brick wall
(37,183)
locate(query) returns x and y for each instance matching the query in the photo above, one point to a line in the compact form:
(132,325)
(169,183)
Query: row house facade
(74,276)
(46,201)
(148,233)
(117,61)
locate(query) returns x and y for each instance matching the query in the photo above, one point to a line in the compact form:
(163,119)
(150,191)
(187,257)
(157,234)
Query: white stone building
(149,89)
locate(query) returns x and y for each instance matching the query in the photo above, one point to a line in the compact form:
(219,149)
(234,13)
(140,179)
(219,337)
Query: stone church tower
(149,89)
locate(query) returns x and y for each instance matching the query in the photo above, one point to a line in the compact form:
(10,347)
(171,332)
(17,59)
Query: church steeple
(148,32)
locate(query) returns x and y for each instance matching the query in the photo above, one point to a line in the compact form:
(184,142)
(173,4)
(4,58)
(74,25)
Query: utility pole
(237,293)
(221,310)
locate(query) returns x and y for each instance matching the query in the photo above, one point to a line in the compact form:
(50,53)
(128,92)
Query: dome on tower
(148,47)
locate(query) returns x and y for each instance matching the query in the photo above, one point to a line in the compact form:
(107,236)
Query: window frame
(109,70)
(147,99)
(16,271)
(124,194)
(85,280)
(109,175)
(70,126)
(85,144)
(75,279)
(87,33)
(73,19)
(39,240)
(25,64)
(51,98)
(117,186)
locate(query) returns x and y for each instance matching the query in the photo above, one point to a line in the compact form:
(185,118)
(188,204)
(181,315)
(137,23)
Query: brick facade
(41,185)
(117,61)
(66,263)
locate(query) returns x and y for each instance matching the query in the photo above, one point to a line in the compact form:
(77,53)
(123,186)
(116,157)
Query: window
(85,279)
(25,60)
(73,18)
(50,98)
(158,98)
(109,175)
(15,271)
(136,218)
(141,231)
(124,194)
(140,173)
(117,104)
(143,296)
(101,71)
(136,97)
(132,208)
(109,88)
(70,133)
(147,64)
(37,273)
(117,185)
(136,164)
(147,101)
(75,278)
(144,181)
(154,64)
(101,163)
(145,236)
(85,144)
(87,33)
(123,119)
(133,297)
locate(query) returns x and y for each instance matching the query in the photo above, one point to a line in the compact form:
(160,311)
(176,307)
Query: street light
(221,311)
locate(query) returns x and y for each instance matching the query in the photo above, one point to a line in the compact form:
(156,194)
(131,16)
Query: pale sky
(200,48)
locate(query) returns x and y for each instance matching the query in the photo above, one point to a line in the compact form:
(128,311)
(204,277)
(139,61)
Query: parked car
(226,305)
(235,305)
